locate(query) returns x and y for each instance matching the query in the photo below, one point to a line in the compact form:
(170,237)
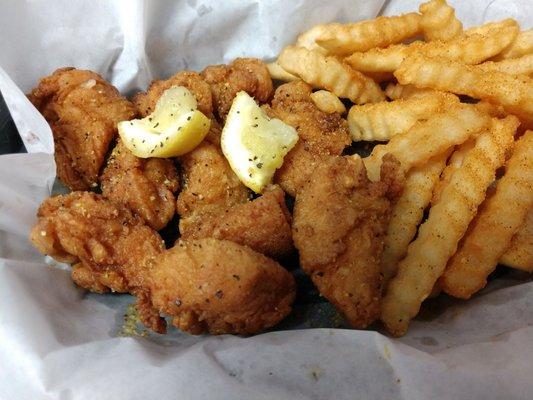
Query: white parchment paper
(59,342)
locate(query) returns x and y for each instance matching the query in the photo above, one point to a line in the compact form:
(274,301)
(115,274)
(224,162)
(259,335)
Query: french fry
(307,39)
(395,91)
(493,110)
(447,222)
(328,102)
(471,49)
(342,39)
(278,73)
(522,45)
(519,255)
(491,232)
(329,73)
(438,21)
(513,66)
(514,93)
(491,26)
(409,211)
(381,121)
(428,139)
(454,163)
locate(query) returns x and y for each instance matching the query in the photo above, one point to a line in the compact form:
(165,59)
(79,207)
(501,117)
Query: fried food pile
(441,199)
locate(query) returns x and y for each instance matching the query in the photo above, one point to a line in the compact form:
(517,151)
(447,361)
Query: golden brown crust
(320,133)
(145,186)
(83,111)
(247,74)
(145,101)
(223,287)
(340,221)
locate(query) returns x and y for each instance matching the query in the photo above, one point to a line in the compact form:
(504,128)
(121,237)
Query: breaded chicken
(214,203)
(145,186)
(218,286)
(209,190)
(319,133)
(145,102)
(248,74)
(83,111)
(340,221)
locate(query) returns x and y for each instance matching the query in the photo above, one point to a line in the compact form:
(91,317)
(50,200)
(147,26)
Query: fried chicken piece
(218,286)
(83,111)
(145,101)
(319,133)
(209,190)
(145,186)
(214,203)
(340,221)
(113,250)
(248,74)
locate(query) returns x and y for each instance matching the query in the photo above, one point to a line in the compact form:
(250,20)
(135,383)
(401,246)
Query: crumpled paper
(60,342)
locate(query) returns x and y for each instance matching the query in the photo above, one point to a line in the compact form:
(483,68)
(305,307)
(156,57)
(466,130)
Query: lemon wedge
(174,128)
(254,144)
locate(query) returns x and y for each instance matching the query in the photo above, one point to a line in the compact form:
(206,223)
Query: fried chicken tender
(83,111)
(145,186)
(218,286)
(340,222)
(103,236)
(248,74)
(145,101)
(320,133)
(214,203)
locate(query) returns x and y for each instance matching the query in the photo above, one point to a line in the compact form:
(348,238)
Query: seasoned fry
(330,73)
(522,46)
(519,255)
(408,212)
(342,39)
(447,222)
(438,21)
(395,91)
(428,139)
(278,73)
(454,163)
(513,66)
(491,27)
(493,228)
(381,121)
(471,49)
(493,110)
(327,102)
(514,93)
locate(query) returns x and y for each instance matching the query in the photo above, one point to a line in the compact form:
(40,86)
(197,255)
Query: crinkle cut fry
(491,232)
(330,73)
(429,138)
(381,121)
(519,255)
(341,39)
(471,49)
(438,21)
(408,212)
(448,220)
(514,93)
(522,46)
(514,66)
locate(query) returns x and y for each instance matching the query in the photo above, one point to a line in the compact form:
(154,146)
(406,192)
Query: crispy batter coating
(340,222)
(218,286)
(145,101)
(83,111)
(320,133)
(145,186)
(214,203)
(248,74)
(210,188)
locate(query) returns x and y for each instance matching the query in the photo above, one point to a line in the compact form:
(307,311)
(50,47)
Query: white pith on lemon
(254,144)
(174,128)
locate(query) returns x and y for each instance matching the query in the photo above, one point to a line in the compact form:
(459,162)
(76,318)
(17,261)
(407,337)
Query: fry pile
(454,106)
